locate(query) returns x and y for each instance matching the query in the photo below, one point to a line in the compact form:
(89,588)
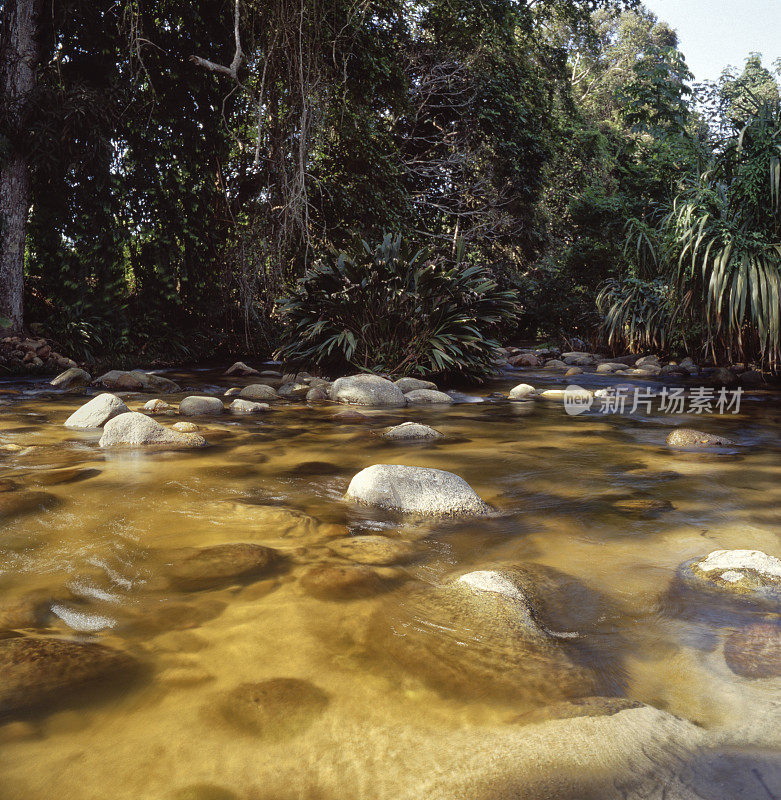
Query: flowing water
(360,720)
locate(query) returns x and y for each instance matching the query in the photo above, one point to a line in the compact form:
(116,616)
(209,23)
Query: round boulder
(524,360)
(426,396)
(158,407)
(416,490)
(755,651)
(239,406)
(97,412)
(134,429)
(522,391)
(367,390)
(258,391)
(411,384)
(411,431)
(743,576)
(201,406)
(72,378)
(480,635)
(185,427)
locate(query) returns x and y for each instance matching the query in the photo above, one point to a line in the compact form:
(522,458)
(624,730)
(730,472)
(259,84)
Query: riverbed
(357,717)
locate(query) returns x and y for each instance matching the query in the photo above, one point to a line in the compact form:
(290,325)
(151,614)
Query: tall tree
(18,63)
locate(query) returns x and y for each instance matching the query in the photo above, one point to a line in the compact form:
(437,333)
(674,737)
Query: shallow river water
(366,710)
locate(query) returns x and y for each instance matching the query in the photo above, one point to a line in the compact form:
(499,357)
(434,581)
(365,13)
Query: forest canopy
(172,171)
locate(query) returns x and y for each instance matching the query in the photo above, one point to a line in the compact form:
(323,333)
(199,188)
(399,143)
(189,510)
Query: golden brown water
(118,518)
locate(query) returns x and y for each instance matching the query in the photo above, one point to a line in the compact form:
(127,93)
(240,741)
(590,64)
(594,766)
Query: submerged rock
(97,412)
(743,576)
(211,567)
(411,431)
(201,406)
(690,438)
(134,429)
(239,406)
(72,378)
(349,416)
(337,582)
(425,396)
(481,634)
(37,672)
(755,651)
(17,503)
(373,549)
(643,506)
(367,390)
(28,611)
(258,391)
(275,709)
(411,384)
(417,490)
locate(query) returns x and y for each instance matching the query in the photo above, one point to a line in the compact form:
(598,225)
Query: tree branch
(231,71)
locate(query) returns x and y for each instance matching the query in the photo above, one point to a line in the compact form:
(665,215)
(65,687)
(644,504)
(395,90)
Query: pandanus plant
(726,229)
(715,257)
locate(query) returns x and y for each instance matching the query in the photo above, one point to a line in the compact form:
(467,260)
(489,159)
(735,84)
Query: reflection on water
(351,667)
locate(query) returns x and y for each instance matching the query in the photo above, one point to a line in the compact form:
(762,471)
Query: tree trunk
(18,63)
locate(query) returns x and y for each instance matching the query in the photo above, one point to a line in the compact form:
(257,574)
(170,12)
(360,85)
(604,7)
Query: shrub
(387,311)
(637,314)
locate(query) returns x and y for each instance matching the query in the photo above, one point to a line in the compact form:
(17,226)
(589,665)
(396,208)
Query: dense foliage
(191,161)
(386,310)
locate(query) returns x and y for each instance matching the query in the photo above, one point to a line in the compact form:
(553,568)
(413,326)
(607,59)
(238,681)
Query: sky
(715,33)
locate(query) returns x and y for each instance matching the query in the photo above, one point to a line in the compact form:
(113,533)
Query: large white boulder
(367,390)
(97,412)
(416,490)
(135,429)
(522,391)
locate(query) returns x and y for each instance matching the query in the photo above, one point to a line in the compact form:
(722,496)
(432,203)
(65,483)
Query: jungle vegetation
(184,179)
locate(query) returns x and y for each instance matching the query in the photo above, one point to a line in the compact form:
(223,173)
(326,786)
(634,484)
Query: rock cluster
(18,354)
